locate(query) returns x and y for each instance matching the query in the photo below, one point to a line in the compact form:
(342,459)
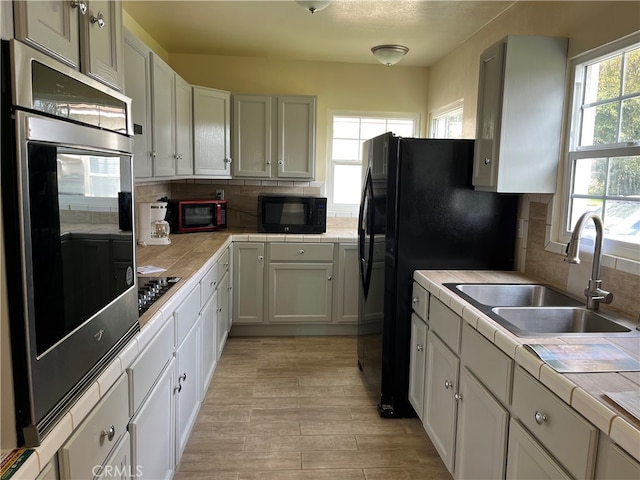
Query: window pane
(603,80)
(632,72)
(582,205)
(372,127)
(590,176)
(346,188)
(624,177)
(402,128)
(622,221)
(346,149)
(630,128)
(600,124)
(344,127)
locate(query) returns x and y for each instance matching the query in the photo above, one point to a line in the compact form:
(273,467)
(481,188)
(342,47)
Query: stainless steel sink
(531,321)
(514,295)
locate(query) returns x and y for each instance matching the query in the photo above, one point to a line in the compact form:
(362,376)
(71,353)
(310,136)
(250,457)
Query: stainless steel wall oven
(66,159)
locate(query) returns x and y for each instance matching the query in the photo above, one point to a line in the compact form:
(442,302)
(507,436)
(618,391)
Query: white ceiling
(345,31)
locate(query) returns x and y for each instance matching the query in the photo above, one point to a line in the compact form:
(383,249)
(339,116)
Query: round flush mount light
(314,5)
(389,54)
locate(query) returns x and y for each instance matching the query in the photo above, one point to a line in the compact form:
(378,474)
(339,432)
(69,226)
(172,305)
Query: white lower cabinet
(187,389)
(152,430)
(248,282)
(613,462)
(417,364)
(223,313)
(481,434)
(209,340)
(527,459)
(346,288)
(118,465)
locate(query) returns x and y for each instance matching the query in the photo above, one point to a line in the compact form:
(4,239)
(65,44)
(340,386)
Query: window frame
(344,209)
(572,151)
(446,111)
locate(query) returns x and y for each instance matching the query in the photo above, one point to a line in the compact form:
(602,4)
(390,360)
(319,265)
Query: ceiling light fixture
(389,54)
(314,5)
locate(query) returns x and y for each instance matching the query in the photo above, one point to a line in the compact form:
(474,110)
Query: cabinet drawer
(91,443)
(303,252)
(445,323)
(223,264)
(492,367)
(556,425)
(208,284)
(187,314)
(420,301)
(148,366)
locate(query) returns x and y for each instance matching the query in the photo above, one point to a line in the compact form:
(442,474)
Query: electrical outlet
(220,194)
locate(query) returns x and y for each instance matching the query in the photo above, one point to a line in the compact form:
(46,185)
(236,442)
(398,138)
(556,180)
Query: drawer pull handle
(458,397)
(415,300)
(182,377)
(540,417)
(177,389)
(109,433)
(420,348)
(99,20)
(448,384)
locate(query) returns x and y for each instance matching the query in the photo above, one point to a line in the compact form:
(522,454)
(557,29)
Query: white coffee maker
(153,229)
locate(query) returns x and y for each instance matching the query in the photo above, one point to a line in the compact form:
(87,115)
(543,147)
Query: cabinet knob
(540,417)
(260,257)
(415,300)
(458,397)
(268,162)
(280,162)
(420,348)
(448,384)
(227,160)
(329,278)
(81,6)
(487,161)
(301,252)
(99,20)
(109,433)
(153,154)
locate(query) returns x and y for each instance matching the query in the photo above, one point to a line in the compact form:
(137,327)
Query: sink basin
(531,321)
(513,295)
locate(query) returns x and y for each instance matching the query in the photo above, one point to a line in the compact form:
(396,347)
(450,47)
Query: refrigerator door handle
(365,227)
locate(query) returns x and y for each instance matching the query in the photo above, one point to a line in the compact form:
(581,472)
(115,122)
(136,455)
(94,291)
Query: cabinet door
(223,313)
(152,430)
(300,292)
(52,27)
(209,340)
(101,44)
(187,386)
(137,86)
(417,364)
(440,406)
(526,459)
(211,132)
(119,464)
(489,117)
(252,133)
(248,283)
(163,81)
(183,132)
(296,137)
(346,292)
(481,435)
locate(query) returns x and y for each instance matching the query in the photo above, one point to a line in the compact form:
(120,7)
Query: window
(348,132)
(447,122)
(604,145)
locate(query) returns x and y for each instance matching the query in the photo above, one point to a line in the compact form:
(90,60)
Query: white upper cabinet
(211,132)
(84,34)
(137,86)
(274,136)
(519,117)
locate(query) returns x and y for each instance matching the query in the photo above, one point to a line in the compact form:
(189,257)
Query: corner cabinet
(211,132)
(86,35)
(519,116)
(171,121)
(274,136)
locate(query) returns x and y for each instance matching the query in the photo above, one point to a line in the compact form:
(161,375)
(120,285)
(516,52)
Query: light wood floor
(297,409)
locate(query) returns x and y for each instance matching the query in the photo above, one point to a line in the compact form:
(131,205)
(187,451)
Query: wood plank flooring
(296,408)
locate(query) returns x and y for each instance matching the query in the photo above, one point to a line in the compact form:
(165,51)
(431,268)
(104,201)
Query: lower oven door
(75,303)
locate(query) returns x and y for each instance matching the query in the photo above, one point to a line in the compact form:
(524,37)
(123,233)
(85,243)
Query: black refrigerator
(418,211)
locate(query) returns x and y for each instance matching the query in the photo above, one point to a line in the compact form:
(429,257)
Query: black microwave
(279,213)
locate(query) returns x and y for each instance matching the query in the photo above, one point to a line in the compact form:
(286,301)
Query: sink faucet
(593,292)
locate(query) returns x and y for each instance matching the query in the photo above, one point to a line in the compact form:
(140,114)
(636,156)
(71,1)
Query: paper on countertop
(149,269)
(592,357)
(630,401)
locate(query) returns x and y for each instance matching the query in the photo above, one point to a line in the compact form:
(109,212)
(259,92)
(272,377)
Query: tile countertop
(188,253)
(583,391)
